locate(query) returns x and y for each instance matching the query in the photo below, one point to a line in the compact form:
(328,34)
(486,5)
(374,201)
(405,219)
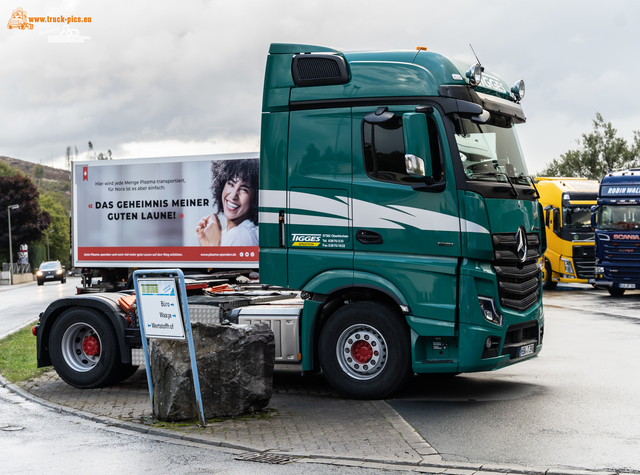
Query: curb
(4,288)
(430,462)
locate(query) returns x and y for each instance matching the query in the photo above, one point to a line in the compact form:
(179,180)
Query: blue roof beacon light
(518,90)
(474,74)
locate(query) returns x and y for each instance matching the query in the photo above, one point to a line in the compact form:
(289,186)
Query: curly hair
(246,170)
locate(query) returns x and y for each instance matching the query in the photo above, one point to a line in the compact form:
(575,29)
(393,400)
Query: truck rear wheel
(365,350)
(84,349)
(125,372)
(547,283)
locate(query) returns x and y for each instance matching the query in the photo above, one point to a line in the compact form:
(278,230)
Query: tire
(63,280)
(369,327)
(125,372)
(84,348)
(547,283)
(40,282)
(615,292)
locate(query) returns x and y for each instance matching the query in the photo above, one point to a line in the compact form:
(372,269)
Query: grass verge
(18,356)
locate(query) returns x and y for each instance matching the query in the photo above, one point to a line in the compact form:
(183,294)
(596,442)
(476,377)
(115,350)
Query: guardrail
(17,268)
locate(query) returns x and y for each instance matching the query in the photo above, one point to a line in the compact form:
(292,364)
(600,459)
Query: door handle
(368,237)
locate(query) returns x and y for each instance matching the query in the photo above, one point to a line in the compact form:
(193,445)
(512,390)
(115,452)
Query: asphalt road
(21,304)
(576,405)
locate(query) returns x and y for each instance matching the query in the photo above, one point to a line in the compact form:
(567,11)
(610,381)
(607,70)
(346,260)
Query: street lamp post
(9,208)
(48,231)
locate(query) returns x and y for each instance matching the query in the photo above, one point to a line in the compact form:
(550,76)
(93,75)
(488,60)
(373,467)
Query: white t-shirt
(245,234)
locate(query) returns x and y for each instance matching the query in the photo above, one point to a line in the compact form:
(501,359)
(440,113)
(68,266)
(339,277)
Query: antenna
(474,53)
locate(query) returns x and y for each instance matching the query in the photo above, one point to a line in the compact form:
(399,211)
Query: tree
(59,242)
(598,152)
(28,221)
(38,174)
(91,152)
(6,169)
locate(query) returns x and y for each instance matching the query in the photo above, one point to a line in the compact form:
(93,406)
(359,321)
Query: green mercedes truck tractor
(394,194)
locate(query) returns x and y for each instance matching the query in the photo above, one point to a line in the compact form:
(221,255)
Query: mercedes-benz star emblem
(521,244)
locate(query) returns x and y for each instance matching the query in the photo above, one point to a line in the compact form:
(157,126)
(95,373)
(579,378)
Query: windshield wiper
(533,184)
(513,188)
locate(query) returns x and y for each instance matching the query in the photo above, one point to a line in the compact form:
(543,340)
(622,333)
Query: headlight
(59,271)
(599,270)
(568,268)
(489,311)
(39,273)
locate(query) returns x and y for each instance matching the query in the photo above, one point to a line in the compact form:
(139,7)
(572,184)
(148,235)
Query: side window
(384,151)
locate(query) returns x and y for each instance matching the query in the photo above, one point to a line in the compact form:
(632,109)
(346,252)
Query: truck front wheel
(547,283)
(84,349)
(365,350)
(615,291)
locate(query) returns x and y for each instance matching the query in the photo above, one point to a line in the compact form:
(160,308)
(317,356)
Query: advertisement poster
(199,211)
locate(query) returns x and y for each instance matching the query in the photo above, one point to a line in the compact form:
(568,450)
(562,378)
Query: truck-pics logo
(19,20)
(307,240)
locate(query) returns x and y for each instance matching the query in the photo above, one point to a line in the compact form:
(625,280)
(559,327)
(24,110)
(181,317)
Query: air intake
(319,70)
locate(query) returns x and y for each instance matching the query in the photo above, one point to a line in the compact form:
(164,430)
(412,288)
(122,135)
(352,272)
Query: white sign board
(159,309)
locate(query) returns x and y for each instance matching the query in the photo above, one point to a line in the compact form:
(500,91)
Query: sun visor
(502,106)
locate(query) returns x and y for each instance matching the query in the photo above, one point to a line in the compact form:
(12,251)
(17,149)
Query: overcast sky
(159,78)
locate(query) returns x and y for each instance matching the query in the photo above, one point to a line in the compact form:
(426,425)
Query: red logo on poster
(85,173)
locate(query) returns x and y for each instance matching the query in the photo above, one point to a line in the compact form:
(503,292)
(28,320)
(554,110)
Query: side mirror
(414,165)
(594,216)
(416,145)
(547,214)
(556,221)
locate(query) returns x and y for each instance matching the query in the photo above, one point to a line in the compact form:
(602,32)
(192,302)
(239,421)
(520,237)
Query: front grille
(518,283)
(584,260)
(623,257)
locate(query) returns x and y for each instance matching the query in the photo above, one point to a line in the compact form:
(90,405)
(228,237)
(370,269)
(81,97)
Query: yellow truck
(570,254)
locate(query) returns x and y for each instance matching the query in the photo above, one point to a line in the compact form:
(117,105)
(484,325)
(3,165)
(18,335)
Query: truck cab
(570,254)
(616,219)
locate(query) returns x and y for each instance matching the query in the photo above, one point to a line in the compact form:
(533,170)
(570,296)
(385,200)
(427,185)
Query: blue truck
(616,219)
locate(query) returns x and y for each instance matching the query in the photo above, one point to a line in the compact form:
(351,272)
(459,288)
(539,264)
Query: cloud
(155,75)
(577,39)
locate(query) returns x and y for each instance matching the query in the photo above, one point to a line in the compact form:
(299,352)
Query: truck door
(318,195)
(404,231)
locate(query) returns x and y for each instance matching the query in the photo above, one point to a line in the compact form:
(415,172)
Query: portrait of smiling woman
(234,221)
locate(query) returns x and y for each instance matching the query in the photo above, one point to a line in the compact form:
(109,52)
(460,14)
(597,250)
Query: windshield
(490,151)
(577,217)
(619,218)
(49,265)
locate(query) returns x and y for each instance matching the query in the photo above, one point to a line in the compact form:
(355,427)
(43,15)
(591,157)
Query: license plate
(526,350)
(49,277)
(627,286)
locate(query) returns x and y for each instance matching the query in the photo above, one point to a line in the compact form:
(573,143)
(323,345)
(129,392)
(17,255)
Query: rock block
(235,365)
